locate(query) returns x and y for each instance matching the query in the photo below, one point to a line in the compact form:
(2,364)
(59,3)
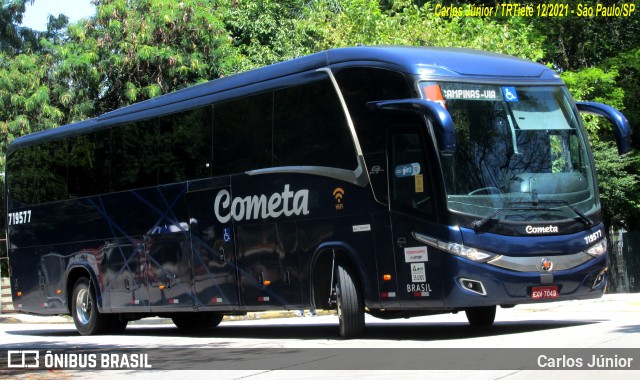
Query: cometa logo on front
(287,203)
(541,229)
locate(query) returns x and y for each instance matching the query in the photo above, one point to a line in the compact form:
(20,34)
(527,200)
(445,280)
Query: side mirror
(442,121)
(621,128)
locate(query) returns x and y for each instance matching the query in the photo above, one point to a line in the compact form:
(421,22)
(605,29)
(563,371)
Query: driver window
(409,185)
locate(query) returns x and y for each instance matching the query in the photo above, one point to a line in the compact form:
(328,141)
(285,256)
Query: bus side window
(134,156)
(242,134)
(184,146)
(410,188)
(39,173)
(89,162)
(20,176)
(310,128)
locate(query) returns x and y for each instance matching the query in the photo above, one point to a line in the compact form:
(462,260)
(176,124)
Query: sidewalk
(610,303)
(27,318)
(13,317)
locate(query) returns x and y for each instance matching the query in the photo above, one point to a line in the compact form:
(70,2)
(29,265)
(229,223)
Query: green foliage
(342,23)
(628,66)
(270,31)
(265,32)
(25,97)
(619,185)
(12,35)
(132,51)
(596,85)
(573,43)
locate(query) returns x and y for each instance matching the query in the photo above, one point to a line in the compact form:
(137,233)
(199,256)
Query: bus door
(212,245)
(412,210)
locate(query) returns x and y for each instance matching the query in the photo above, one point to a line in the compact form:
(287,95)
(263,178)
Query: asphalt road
(562,339)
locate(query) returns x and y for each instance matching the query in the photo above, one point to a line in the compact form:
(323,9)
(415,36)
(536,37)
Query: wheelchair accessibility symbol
(510,94)
(226,234)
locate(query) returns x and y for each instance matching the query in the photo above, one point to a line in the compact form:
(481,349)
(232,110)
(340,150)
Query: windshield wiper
(533,205)
(583,218)
(476,225)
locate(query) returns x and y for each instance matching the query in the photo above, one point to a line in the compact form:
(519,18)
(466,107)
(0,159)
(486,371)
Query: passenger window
(184,143)
(242,134)
(310,128)
(134,156)
(89,162)
(38,174)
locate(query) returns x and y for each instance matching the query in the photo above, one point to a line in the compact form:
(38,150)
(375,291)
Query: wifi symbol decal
(338,194)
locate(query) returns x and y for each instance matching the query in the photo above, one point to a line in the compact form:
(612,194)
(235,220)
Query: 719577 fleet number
(20,217)
(593,237)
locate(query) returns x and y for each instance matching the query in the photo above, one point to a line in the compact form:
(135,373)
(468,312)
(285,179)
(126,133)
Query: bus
(393,181)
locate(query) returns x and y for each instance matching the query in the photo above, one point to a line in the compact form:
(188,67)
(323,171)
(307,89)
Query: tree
(132,51)
(12,36)
(270,31)
(26,104)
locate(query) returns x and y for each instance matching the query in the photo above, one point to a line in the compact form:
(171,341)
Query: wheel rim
(83,306)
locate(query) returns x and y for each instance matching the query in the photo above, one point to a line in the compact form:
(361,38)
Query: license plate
(542,292)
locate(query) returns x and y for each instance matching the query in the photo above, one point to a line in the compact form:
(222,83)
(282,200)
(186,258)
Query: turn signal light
(160,287)
(267,282)
(19,294)
(386,277)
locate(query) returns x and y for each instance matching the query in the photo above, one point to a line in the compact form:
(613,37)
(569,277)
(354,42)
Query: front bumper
(483,284)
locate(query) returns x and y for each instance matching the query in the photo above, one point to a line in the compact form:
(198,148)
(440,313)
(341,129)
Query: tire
(84,308)
(196,321)
(481,316)
(349,304)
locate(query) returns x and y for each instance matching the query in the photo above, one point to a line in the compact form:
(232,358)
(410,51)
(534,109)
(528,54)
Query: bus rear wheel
(481,316)
(84,308)
(196,321)
(349,304)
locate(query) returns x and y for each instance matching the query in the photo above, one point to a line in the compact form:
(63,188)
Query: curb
(628,302)
(53,319)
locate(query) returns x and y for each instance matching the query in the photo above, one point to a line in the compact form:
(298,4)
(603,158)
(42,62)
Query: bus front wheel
(86,317)
(481,316)
(349,304)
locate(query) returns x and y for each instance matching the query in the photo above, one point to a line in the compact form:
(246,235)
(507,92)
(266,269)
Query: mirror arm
(621,127)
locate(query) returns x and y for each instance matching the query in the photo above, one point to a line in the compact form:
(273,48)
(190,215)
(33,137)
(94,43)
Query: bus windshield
(520,156)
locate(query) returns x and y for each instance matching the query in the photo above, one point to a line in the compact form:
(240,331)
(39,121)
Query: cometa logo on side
(287,203)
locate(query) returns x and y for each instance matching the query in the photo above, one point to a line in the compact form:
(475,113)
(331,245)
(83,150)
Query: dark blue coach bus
(394,181)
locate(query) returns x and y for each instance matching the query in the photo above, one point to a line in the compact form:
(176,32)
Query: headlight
(598,249)
(468,252)
(455,248)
